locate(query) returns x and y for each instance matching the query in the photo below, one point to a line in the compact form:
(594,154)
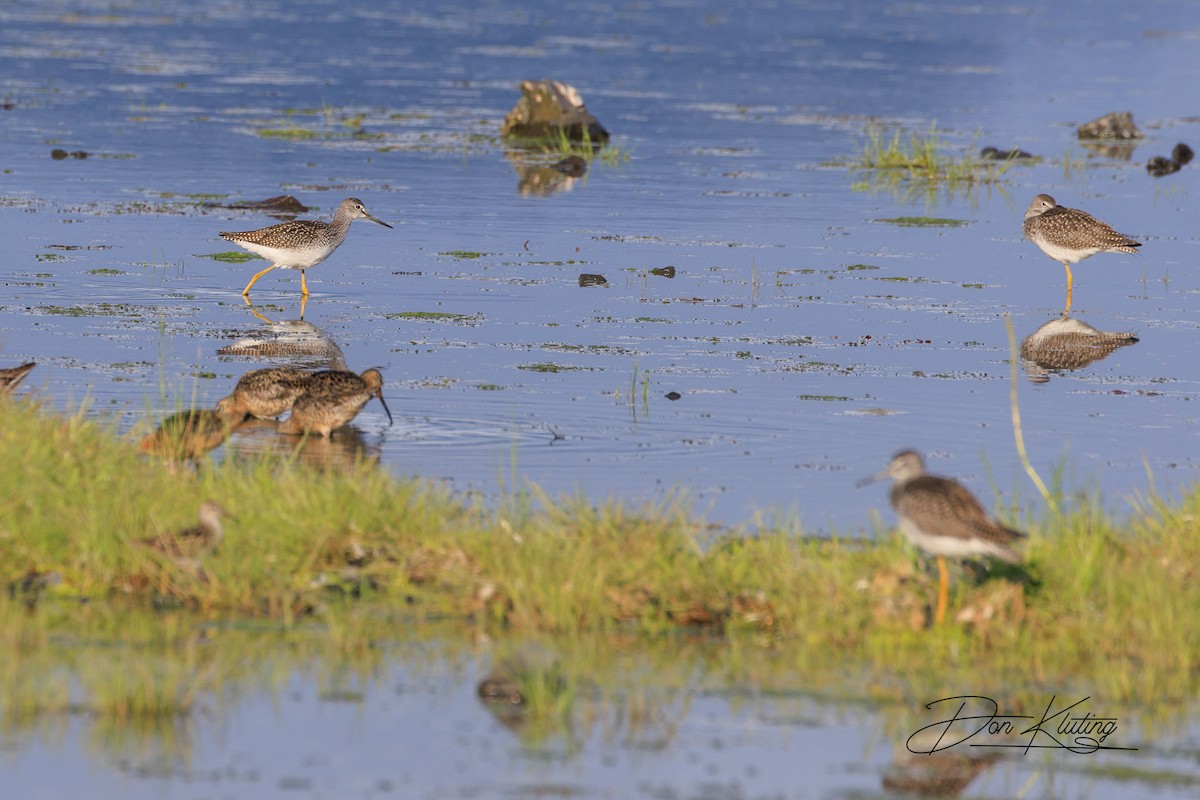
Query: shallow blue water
(797,374)
(733,123)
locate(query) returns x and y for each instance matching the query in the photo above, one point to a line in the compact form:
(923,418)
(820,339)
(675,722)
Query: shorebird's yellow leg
(1070,283)
(303,303)
(303,284)
(943,591)
(254,280)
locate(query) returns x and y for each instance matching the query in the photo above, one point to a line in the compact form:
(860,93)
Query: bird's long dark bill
(377,219)
(867,481)
(379,394)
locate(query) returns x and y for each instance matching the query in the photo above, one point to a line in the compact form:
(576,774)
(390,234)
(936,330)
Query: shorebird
(188,546)
(189,434)
(302,243)
(940,516)
(331,399)
(11,376)
(264,393)
(1070,235)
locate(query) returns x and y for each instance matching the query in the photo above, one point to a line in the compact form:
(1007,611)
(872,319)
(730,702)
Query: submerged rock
(279,204)
(1115,125)
(992,154)
(1159,166)
(549,108)
(571,166)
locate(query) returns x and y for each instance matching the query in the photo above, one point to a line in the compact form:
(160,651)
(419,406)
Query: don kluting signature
(978,716)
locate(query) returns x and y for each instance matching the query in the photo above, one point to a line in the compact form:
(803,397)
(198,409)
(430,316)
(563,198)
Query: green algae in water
(231,256)
(435,316)
(464,255)
(550,366)
(926,222)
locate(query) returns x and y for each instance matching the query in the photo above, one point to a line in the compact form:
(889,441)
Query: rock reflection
(540,173)
(1066,343)
(302,343)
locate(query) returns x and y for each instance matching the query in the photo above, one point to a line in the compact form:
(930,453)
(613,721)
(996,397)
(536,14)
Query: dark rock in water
(663,272)
(571,166)
(672,395)
(280,204)
(589,279)
(1117,125)
(992,154)
(548,107)
(58,154)
(1159,166)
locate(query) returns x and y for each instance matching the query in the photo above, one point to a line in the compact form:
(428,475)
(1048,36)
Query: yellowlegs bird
(302,243)
(331,399)
(189,434)
(1070,235)
(265,393)
(188,546)
(11,376)
(942,517)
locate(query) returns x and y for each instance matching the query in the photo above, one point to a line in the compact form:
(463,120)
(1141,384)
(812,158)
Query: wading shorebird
(331,399)
(11,376)
(940,516)
(189,434)
(302,243)
(265,393)
(1070,235)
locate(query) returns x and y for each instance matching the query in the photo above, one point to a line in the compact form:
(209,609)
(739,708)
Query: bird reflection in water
(348,451)
(301,343)
(1066,343)
(945,774)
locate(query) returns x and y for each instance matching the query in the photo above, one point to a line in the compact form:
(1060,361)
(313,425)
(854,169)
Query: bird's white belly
(1063,254)
(949,546)
(290,259)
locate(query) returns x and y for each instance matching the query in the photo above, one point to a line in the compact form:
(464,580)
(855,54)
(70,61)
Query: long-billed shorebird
(190,434)
(331,399)
(1070,235)
(11,376)
(265,393)
(302,243)
(940,516)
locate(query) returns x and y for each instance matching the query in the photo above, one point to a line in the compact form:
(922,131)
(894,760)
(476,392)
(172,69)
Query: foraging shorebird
(1070,235)
(189,434)
(302,243)
(331,399)
(11,376)
(265,393)
(940,516)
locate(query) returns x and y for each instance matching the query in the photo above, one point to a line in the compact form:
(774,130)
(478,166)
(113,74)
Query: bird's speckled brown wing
(300,230)
(1070,227)
(943,507)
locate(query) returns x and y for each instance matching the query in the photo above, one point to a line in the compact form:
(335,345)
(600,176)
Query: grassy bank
(365,558)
